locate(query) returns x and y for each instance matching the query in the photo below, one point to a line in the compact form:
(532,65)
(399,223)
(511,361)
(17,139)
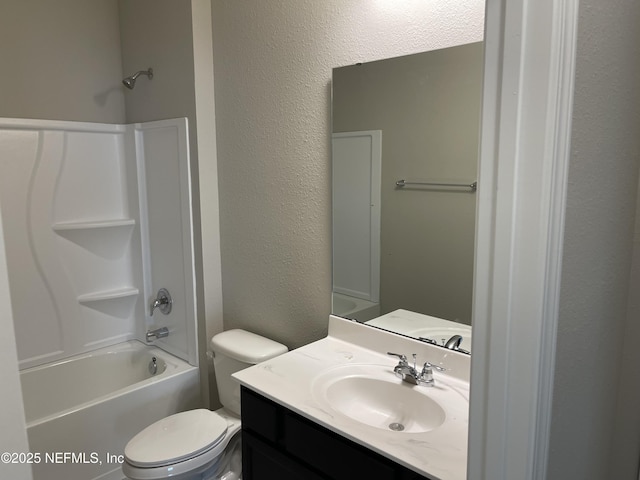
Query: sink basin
(418,325)
(373,396)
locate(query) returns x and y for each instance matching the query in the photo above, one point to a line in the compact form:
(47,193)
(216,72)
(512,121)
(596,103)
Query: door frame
(530,49)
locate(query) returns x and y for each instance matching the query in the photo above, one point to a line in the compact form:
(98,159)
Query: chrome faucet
(157,333)
(410,374)
(454,342)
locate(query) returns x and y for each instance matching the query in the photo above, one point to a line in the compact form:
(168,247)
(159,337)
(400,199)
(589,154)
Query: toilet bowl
(197,444)
(202,444)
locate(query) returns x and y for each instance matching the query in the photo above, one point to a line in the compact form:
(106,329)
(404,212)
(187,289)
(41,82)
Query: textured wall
(272,63)
(61,60)
(601,201)
(626,440)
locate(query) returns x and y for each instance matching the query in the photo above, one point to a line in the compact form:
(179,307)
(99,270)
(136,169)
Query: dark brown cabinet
(278,444)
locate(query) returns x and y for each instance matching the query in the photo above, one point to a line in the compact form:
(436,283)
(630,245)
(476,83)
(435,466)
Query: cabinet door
(262,462)
(339,458)
(279,443)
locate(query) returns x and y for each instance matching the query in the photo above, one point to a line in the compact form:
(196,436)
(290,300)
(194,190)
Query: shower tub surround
(97,218)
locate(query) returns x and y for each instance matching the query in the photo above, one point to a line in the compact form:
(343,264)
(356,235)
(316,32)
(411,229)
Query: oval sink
(379,399)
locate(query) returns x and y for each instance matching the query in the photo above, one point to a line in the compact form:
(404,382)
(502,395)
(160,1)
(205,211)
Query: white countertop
(288,380)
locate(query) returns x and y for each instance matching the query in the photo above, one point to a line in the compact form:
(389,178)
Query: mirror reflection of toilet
(201,444)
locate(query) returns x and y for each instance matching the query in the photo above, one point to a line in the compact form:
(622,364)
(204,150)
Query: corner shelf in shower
(103,237)
(115,303)
(80,226)
(108,295)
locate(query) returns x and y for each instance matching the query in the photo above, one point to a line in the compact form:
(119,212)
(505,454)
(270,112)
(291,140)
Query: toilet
(201,444)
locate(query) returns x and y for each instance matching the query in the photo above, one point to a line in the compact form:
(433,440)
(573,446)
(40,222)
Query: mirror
(405,138)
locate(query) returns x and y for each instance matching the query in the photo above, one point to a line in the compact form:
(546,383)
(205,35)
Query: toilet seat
(177,445)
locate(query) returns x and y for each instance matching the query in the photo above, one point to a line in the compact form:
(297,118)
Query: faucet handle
(426,376)
(401,357)
(428,366)
(162,302)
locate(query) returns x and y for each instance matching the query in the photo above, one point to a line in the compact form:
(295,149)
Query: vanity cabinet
(278,443)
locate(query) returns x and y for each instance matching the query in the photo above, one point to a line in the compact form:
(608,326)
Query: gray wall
(588,431)
(273,64)
(61,60)
(428,108)
(158,34)
(626,441)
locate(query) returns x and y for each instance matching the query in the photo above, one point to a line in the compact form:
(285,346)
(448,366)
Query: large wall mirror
(405,135)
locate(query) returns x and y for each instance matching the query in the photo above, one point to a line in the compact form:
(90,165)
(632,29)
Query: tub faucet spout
(157,333)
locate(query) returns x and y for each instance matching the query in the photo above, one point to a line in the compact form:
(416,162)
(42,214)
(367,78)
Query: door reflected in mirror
(405,139)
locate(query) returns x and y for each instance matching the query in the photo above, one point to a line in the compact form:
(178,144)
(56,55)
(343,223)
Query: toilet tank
(235,350)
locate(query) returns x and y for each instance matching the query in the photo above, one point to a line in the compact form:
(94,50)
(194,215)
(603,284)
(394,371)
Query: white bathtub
(352,307)
(82,411)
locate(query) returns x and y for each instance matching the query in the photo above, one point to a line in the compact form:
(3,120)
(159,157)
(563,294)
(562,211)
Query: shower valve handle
(162,302)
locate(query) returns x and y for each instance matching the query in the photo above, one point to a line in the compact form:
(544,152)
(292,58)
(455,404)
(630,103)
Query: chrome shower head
(130,82)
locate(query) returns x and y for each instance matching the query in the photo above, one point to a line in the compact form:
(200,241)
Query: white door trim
(526,124)
(373,196)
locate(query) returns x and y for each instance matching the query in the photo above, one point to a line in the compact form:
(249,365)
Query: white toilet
(201,444)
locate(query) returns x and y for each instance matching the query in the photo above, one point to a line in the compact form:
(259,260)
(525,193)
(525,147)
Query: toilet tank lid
(245,346)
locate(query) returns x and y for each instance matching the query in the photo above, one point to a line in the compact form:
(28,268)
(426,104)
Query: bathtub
(81,411)
(352,307)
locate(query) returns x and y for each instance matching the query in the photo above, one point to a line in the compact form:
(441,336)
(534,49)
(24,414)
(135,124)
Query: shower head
(130,82)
